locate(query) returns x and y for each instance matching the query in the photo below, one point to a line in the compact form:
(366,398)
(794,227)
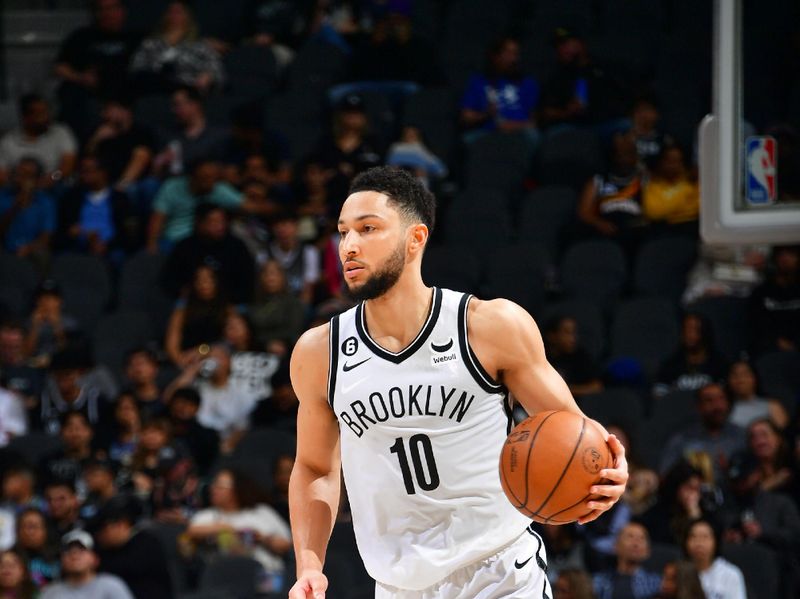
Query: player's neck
(401,312)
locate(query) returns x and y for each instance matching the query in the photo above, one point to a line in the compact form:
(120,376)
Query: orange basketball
(548,464)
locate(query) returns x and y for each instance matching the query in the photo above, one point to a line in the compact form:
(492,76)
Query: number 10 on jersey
(417,446)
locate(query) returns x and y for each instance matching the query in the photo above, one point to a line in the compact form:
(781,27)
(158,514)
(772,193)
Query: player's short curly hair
(406,192)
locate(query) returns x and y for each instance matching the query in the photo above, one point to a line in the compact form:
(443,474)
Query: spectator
(19,489)
(319,198)
(720,578)
(644,124)
(280,410)
(565,552)
(747,405)
(766,464)
(695,363)
(13,421)
(67,391)
(199,321)
(725,271)
(164,473)
(682,497)
(63,506)
(211,244)
(68,462)
(125,146)
(238,517)
(176,55)
(572,362)
(135,556)
(775,304)
(680,580)
(35,541)
(27,213)
(391,53)
(672,194)
(611,202)
(101,487)
(49,328)
(95,218)
(251,227)
(300,261)
(173,217)
(257,151)
(126,429)
(79,573)
(501,98)
(410,152)
(630,578)
(224,407)
(92,59)
(579,92)
(573,583)
(194,140)
(278,316)
(251,367)
(15,580)
(51,145)
(281,473)
(349,149)
(16,368)
(714,436)
(278,25)
(141,378)
(202,442)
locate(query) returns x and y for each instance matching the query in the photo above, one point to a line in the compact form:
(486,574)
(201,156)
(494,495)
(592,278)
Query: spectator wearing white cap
(79,577)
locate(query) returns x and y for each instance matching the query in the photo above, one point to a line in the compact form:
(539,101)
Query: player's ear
(418,237)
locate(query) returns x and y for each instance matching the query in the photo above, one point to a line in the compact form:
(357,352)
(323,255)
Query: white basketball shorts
(518,571)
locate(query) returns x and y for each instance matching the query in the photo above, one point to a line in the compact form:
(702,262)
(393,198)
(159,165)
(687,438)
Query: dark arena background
(170,179)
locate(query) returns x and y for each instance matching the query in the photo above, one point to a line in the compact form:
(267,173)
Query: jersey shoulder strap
(486,382)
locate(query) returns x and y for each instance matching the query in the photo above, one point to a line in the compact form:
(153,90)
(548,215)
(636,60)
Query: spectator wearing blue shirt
(501,99)
(95,218)
(629,579)
(27,213)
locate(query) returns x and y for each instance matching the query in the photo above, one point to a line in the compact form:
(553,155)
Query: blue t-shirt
(97,215)
(36,218)
(515,100)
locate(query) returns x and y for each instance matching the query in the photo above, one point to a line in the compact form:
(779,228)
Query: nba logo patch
(761,166)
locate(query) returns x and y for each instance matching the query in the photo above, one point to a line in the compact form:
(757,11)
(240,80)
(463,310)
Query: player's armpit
(509,345)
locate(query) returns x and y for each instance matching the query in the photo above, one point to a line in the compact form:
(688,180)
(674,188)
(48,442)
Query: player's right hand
(311,584)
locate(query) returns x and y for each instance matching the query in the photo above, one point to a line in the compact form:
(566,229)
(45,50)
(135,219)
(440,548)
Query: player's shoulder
(314,342)
(495,314)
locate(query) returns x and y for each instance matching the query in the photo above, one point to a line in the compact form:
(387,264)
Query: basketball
(548,464)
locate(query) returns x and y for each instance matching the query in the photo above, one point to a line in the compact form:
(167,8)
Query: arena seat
(759,565)
(662,265)
(433,112)
(594,270)
(545,214)
(499,160)
(452,268)
(117,334)
(644,328)
(234,574)
(517,272)
(569,157)
(591,325)
(728,317)
(85,285)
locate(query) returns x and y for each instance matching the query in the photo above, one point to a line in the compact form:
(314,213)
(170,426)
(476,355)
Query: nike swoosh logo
(519,565)
(442,348)
(348,367)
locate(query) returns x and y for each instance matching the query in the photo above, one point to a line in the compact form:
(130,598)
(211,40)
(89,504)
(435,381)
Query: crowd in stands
(168,229)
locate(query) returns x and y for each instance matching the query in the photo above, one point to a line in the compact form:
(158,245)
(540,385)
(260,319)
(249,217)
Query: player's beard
(383,280)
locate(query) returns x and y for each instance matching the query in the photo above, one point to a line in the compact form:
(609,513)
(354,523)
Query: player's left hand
(616,477)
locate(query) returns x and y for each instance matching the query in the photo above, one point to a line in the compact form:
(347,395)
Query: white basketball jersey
(421,435)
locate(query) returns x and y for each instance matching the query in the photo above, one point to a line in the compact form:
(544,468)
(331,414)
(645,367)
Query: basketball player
(408,393)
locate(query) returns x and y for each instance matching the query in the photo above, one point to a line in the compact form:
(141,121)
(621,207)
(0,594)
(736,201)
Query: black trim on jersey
(508,407)
(333,343)
(422,336)
(470,359)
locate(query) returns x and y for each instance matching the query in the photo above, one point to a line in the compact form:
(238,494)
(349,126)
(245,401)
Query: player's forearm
(313,504)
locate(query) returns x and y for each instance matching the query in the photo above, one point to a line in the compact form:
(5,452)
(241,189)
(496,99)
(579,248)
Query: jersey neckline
(411,349)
